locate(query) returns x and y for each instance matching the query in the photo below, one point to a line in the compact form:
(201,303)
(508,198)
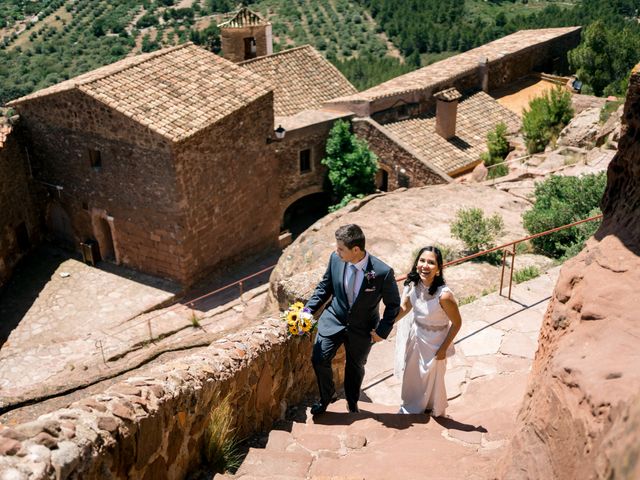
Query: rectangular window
(95,159)
(305,160)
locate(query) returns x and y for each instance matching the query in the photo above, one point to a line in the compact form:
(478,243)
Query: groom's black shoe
(353,408)
(321,407)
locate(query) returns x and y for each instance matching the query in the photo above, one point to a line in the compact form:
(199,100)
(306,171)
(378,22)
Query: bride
(424,338)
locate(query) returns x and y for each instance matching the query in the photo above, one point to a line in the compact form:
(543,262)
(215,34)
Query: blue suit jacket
(363,316)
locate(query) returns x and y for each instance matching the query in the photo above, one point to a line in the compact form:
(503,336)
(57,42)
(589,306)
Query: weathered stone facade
(233,42)
(163,208)
(294,183)
(403,167)
(20,222)
(228,182)
(135,184)
(155,426)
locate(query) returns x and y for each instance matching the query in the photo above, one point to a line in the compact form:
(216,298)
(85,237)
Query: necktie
(351,284)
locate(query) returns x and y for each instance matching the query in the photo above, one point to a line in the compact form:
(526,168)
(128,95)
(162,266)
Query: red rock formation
(581,414)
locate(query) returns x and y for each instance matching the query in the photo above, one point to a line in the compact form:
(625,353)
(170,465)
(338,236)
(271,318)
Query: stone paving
(486,381)
(76,325)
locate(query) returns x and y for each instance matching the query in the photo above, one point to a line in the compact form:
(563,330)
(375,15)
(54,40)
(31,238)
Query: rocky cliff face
(581,414)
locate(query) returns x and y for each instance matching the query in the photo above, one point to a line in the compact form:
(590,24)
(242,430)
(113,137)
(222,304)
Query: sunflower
(305,325)
(297,306)
(293,329)
(293,316)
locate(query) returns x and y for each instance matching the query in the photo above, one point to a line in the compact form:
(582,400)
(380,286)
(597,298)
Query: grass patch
(221,444)
(195,320)
(526,273)
(465,300)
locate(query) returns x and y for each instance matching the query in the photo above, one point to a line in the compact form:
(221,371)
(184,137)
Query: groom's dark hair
(351,235)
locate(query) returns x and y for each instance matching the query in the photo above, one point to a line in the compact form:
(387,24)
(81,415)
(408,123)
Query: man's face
(347,254)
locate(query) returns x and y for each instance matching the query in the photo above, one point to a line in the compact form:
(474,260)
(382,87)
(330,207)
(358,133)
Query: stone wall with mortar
(135,184)
(232,41)
(227,181)
(394,156)
(19,206)
(153,426)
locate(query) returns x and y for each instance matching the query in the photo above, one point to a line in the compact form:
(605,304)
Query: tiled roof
(243,18)
(302,77)
(5,130)
(175,92)
(459,64)
(448,95)
(477,115)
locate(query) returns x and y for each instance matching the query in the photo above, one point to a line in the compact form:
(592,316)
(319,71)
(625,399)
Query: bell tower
(244,36)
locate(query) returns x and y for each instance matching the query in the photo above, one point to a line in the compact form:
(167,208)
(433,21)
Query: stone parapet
(154,426)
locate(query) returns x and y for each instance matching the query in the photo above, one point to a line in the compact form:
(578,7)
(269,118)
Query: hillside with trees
(43,42)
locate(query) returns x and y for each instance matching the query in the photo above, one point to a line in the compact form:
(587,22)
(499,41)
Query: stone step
(263,463)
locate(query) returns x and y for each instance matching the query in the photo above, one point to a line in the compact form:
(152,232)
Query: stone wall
(229,188)
(134,186)
(153,427)
(547,56)
(580,416)
(20,217)
(394,156)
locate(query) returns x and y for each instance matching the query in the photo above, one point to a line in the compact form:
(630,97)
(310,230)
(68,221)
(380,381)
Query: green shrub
(477,232)
(608,108)
(497,150)
(526,273)
(546,117)
(560,201)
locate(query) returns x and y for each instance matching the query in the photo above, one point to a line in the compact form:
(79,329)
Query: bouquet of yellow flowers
(299,320)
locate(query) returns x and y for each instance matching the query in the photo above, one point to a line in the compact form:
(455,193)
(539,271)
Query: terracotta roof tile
(165,91)
(243,18)
(303,79)
(451,67)
(477,115)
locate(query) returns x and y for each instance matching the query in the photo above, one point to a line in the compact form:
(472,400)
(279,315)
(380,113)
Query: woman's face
(427,267)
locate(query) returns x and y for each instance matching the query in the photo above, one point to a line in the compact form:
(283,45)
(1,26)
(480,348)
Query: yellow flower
(293,329)
(305,325)
(297,306)
(292,317)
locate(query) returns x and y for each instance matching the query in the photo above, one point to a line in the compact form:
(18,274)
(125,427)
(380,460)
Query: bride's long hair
(414,277)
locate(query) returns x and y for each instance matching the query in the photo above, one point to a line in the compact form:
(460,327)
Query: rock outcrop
(581,413)
(396,224)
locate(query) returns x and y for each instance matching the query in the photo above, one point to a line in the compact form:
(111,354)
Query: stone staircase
(486,381)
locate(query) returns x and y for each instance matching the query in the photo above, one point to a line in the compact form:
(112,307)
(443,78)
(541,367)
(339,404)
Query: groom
(356,282)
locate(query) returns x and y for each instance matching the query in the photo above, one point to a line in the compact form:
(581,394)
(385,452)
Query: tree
(498,149)
(563,200)
(352,166)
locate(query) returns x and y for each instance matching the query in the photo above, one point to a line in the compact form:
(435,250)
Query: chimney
(483,74)
(446,110)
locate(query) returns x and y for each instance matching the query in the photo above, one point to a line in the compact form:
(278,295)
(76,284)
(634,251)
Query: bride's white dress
(420,334)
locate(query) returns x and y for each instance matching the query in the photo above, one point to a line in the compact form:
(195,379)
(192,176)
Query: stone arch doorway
(304,211)
(60,226)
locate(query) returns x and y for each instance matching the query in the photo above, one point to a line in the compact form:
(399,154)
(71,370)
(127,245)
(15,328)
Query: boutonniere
(370,276)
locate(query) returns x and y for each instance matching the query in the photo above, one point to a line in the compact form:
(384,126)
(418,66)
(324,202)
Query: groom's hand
(375,337)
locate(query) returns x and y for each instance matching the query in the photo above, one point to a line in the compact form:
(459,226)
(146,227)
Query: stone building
(20,223)
(302,80)
(401,116)
(245,35)
(160,158)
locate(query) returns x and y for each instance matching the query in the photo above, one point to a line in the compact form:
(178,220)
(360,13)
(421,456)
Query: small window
(305,160)
(95,159)
(250,48)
